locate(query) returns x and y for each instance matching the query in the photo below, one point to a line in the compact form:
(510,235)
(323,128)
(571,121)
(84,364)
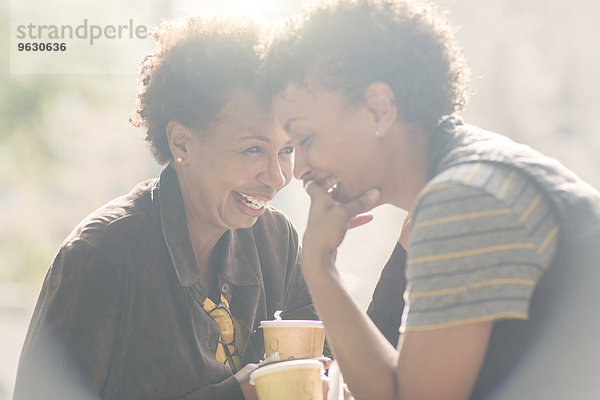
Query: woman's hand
(243,378)
(405,233)
(329,220)
(325,382)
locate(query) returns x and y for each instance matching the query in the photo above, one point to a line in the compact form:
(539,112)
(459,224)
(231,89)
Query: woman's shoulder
(121,217)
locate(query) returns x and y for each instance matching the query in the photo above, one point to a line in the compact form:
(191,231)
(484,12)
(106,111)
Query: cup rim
(291,323)
(286,365)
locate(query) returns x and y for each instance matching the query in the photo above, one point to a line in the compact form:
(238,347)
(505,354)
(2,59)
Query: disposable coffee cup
(293,339)
(289,380)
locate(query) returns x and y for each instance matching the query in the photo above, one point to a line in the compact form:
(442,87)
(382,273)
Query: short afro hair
(347,44)
(189,78)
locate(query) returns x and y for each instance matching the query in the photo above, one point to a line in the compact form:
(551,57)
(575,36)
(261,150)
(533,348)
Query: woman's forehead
(300,102)
(244,115)
(243,101)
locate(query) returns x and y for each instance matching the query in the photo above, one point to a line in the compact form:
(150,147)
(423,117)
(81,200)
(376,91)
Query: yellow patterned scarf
(232,333)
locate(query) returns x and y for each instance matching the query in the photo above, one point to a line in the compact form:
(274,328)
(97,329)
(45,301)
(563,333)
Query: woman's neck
(203,237)
(407,165)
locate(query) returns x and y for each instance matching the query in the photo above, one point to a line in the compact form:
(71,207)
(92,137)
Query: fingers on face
(407,221)
(359,220)
(308,183)
(313,188)
(359,205)
(326,361)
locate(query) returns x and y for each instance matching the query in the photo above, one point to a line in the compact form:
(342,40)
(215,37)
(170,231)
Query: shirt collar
(236,267)
(440,143)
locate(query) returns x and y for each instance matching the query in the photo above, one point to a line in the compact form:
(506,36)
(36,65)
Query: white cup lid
(286,366)
(291,323)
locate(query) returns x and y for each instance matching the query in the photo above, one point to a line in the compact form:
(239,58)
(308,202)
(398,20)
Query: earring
(379,131)
(179,159)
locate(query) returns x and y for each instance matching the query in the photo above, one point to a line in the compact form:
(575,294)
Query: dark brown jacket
(120,313)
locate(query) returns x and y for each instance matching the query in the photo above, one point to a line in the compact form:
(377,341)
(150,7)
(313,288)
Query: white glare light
(262,9)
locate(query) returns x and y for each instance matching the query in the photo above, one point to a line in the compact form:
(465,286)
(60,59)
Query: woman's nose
(276,174)
(301,167)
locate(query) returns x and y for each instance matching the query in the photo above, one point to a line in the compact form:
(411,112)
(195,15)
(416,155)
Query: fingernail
(307,183)
(373,195)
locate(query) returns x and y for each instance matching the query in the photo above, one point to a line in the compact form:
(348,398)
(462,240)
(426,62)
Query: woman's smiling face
(232,169)
(335,141)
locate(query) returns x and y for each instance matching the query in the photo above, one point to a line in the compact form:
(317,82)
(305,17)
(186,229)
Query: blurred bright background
(66,146)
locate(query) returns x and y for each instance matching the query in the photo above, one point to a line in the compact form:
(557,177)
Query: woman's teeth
(331,184)
(253,202)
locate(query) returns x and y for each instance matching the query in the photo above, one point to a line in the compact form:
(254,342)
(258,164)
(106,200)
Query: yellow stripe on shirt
(471,173)
(466,253)
(436,187)
(493,317)
(461,217)
(505,184)
(472,285)
(547,240)
(531,207)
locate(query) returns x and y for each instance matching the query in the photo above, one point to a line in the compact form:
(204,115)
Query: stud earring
(179,159)
(379,131)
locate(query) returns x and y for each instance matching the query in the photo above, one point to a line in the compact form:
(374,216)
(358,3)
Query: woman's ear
(179,137)
(380,101)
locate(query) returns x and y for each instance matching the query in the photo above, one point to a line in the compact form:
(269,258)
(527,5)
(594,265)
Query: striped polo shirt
(482,236)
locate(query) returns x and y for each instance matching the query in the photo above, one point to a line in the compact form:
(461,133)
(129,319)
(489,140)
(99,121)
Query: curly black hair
(189,78)
(347,44)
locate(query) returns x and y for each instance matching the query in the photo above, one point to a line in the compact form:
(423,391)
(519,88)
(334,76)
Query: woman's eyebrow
(287,125)
(262,139)
(257,137)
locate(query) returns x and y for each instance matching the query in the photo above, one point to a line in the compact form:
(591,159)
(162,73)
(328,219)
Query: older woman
(503,244)
(159,294)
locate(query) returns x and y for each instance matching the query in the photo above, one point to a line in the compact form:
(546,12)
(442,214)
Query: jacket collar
(236,268)
(440,143)
(238,276)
